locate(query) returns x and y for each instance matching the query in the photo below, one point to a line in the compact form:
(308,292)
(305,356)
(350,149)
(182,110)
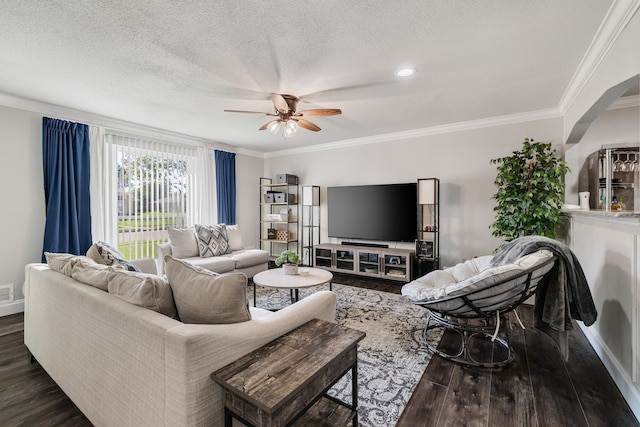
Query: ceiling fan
(288,119)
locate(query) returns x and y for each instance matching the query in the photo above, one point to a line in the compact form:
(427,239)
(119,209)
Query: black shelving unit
(428,242)
(310,222)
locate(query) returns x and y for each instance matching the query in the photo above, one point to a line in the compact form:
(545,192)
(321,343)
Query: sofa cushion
(217,264)
(212,240)
(144,290)
(63,262)
(249,258)
(104,253)
(93,274)
(469,276)
(184,243)
(235,237)
(202,296)
(466,270)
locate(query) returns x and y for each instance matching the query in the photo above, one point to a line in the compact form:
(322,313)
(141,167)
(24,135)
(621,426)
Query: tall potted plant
(530,191)
(289,261)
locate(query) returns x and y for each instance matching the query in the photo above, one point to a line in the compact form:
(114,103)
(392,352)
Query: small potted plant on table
(289,261)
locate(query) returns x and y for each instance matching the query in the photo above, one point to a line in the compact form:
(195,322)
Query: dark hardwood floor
(28,396)
(536,389)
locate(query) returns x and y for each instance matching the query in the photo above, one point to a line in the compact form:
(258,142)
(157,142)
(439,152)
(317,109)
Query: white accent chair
(472,299)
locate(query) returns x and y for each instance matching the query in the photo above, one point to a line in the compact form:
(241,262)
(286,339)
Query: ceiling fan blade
(250,112)
(280,103)
(319,112)
(266,125)
(307,124)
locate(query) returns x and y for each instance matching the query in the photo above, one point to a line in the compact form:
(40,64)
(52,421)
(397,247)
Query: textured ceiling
(177,65)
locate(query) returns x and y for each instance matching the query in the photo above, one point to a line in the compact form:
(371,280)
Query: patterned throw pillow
(104,253)
(212,240)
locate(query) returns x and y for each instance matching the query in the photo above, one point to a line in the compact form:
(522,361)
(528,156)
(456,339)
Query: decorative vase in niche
(290,268)
(583,198)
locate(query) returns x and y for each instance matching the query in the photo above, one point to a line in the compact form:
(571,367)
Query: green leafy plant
(530,191)
(287,257)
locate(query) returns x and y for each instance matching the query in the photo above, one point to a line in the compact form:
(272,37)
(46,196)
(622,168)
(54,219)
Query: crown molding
(65,113)
(613,24)
(625,102)
(551,113)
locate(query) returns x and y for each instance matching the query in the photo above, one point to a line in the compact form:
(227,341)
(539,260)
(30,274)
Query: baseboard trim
(12,308)
(628,390)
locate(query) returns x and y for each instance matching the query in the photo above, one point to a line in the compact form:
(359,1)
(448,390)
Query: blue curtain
(226,186)
(65,163)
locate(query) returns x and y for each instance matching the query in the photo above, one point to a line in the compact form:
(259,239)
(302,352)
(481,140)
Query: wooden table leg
(228,417)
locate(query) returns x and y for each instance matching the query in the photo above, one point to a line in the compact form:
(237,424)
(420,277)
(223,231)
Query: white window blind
(154,185)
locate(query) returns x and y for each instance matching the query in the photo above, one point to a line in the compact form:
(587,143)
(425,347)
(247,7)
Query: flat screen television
(386,212)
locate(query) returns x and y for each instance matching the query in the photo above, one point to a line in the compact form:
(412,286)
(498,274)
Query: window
(151,186)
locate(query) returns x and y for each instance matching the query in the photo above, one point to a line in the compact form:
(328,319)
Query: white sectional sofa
(186,245)
(126,365)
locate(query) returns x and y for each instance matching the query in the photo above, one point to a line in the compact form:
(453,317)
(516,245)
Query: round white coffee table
(275,278)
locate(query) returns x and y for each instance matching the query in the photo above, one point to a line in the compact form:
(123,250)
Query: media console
(371,261)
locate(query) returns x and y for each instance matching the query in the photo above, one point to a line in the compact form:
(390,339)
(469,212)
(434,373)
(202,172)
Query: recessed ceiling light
(405,72)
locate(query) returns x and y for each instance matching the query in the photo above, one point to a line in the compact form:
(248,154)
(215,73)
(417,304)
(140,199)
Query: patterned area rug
(391,358)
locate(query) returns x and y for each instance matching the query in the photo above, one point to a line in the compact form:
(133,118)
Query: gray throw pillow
(144,290)
(183,242)
(235,237)
(212,240)
(202,296)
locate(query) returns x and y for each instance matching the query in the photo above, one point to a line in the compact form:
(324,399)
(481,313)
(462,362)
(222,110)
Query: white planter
(290,268)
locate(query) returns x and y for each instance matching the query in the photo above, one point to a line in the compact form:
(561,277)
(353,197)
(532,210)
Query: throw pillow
(144,290)
(212,240)
(235,237)
(202,296)
(104,253)
(184,243)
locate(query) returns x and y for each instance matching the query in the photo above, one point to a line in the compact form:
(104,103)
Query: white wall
(460,159)
(22,213)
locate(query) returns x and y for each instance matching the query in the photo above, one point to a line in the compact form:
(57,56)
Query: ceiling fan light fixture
(290,128)
(405,72)
(274,127)
(289,120)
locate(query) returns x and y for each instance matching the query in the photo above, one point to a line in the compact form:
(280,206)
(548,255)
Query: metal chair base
(467,332)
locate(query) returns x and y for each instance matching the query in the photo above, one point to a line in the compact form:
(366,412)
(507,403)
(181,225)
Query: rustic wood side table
(285,382)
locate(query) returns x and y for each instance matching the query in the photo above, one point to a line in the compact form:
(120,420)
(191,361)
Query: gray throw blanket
(563,297)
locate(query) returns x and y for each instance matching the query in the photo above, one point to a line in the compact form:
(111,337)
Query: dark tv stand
(368,245)
(365,260)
